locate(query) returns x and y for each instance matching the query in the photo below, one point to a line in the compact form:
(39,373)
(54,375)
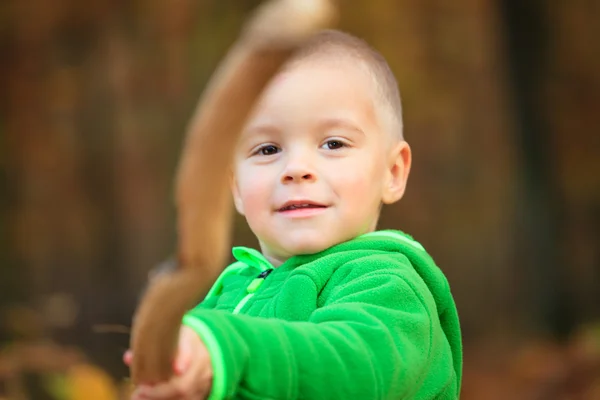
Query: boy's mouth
(297,205)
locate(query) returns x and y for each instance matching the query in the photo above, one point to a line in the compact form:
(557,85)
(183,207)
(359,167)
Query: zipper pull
(255,284)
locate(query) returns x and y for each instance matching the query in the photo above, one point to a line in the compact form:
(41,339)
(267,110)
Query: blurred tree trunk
(556,81)
(539,220)
(570,100)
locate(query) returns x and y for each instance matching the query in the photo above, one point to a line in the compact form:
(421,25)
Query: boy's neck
(274,261)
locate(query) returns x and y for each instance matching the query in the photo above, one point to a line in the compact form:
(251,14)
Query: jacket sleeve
(375,337)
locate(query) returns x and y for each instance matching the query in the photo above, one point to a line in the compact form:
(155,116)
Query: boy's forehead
(315,90)
(276,83)
(318,72)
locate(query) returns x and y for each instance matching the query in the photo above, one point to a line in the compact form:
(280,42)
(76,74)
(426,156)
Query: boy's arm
(378,336)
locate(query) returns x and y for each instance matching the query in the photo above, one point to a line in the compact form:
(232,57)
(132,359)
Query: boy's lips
(295,205)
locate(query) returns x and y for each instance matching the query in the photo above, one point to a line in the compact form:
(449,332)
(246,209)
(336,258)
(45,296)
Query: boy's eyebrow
(260,128)
(324,124)
(255,131)
(340,122)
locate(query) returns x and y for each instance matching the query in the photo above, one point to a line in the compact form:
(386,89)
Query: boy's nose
(291,177)
(297,173)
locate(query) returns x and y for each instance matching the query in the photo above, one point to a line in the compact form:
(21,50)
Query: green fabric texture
(371,318)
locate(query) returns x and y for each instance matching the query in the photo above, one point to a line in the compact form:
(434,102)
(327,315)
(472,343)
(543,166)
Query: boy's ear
(397,173)
(237,200)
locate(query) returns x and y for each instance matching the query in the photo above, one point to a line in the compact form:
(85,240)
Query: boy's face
(314,164)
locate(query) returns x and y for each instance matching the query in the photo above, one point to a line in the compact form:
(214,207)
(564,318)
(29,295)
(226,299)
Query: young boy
(330,308)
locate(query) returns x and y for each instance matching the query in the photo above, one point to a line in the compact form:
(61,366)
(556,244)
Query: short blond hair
(335,43)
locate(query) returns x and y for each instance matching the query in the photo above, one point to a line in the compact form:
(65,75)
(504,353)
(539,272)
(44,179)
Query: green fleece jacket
(371,318)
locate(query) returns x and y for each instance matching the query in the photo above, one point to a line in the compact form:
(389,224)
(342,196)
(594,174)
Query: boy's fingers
(185,353)
(136,395)
(192,385)
(195,383)
(128,357)
(184,387)
(182,362)
(184,356)
(163,391)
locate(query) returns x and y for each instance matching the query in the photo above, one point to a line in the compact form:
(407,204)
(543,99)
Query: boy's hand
(193,372)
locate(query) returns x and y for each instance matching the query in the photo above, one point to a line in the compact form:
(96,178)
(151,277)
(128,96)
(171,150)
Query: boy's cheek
(248,188)
(252,201)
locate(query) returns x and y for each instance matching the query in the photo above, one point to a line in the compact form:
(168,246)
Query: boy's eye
(268,150)
(334,144)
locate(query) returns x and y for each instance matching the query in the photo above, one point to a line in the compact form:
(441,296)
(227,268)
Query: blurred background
(501,103)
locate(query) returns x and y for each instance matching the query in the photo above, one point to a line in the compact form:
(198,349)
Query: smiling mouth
(300,206)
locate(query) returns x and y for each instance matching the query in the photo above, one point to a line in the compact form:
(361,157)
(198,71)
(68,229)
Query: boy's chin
(307,246)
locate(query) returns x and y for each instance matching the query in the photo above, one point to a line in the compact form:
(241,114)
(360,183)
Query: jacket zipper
(252,288)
